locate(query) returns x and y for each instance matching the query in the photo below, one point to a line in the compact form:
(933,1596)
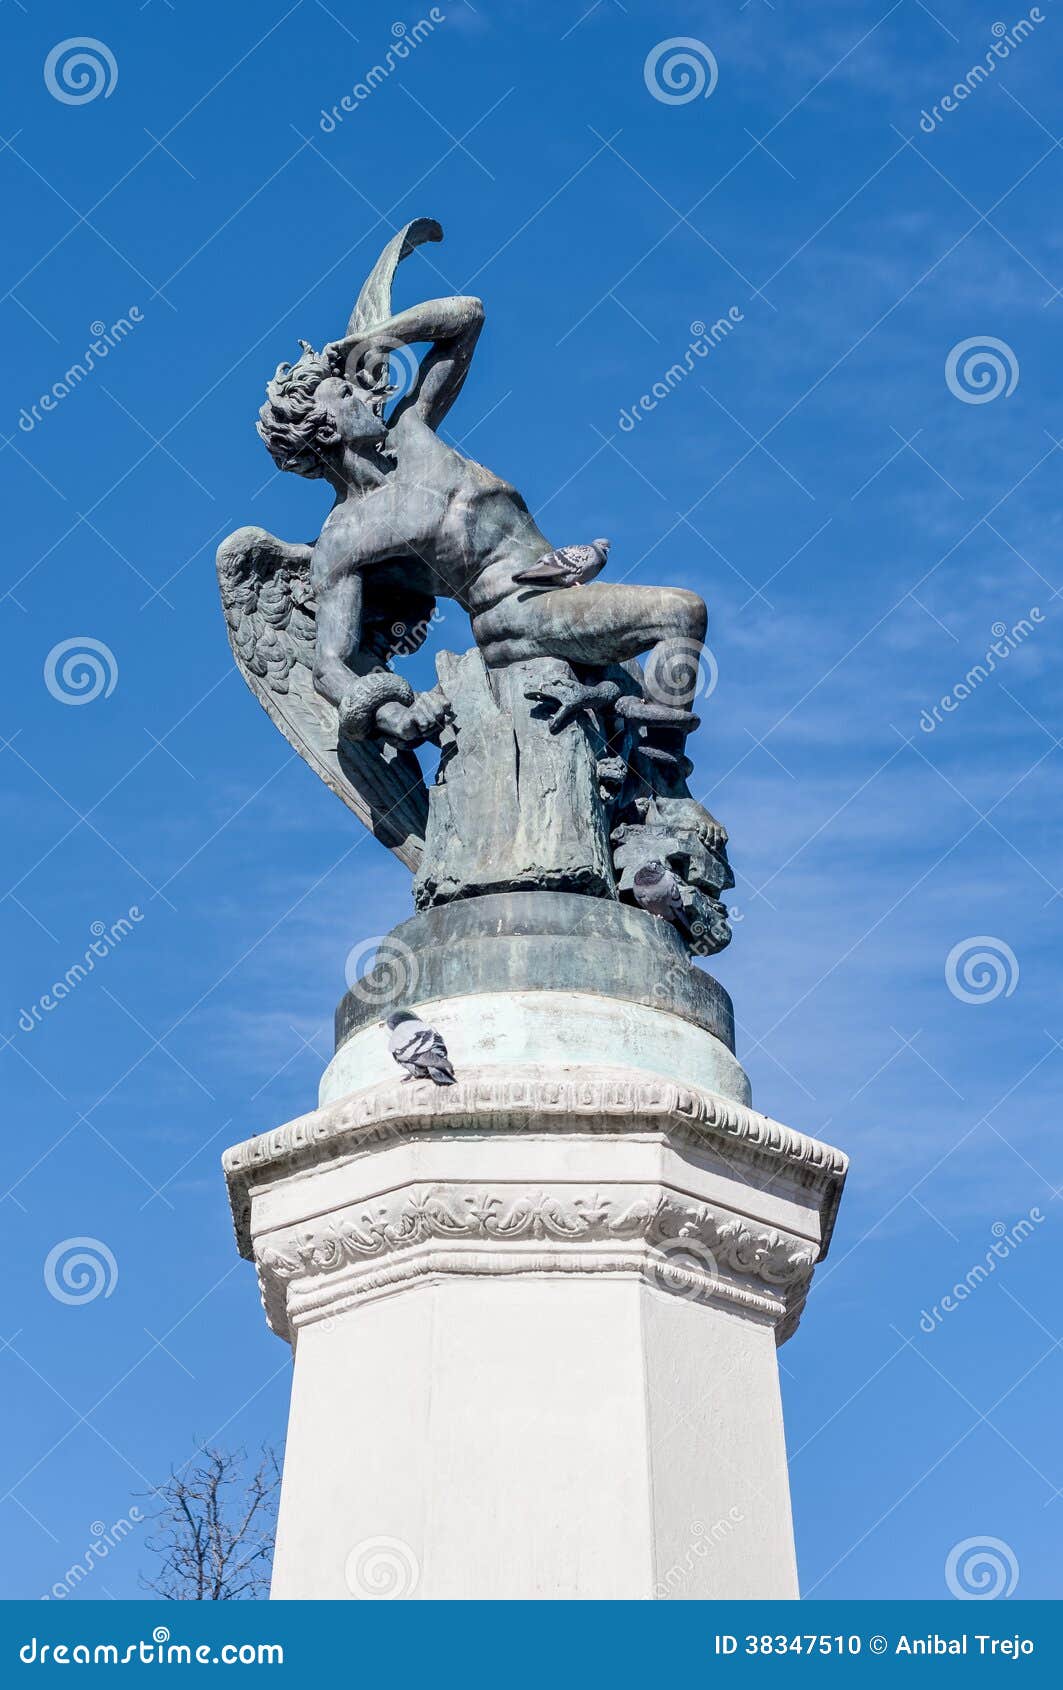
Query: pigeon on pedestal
(419,1049)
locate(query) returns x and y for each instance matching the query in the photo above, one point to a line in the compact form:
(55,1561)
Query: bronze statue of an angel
(315,630)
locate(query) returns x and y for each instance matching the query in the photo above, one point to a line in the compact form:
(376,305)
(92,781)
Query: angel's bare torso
(418,511)
(449,525)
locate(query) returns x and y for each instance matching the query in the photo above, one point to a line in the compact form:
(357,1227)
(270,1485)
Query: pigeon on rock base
(419,1049)
(656,890)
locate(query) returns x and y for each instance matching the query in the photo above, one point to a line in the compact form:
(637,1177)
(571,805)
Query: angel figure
(415,519)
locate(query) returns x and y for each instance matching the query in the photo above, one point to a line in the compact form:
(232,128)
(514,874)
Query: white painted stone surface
(524,1438)
(511,1029)
(534,1318)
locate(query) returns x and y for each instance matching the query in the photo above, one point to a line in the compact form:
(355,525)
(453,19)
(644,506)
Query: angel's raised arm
(451,325)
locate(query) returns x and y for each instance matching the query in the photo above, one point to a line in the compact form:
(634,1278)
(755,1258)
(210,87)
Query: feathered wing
(269,611)
(548,570)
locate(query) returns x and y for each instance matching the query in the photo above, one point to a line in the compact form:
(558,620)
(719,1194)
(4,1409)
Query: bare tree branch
(215,1528)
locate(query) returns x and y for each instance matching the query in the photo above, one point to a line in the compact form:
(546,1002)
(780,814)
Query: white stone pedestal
(534,1316)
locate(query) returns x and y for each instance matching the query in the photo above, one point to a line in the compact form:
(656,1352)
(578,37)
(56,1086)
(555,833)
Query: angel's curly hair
(295,428)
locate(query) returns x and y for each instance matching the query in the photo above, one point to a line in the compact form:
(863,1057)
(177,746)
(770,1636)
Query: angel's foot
(681,813)
(565,699)
(687,815)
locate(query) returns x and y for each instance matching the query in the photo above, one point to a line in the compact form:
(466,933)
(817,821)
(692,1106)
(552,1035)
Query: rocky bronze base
(536,942)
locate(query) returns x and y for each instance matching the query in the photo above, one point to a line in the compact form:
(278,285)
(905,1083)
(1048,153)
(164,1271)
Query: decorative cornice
(525,1100)
(677,1244)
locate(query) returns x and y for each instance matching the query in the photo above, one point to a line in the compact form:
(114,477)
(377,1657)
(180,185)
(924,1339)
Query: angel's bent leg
(600,623)
(605,623)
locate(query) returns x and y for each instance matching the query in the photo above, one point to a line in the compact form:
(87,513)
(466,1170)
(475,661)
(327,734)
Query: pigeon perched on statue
(656,890)
(568,566)
(419,1049)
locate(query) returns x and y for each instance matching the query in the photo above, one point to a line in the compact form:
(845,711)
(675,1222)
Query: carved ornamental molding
(524,1100)
(679,1245)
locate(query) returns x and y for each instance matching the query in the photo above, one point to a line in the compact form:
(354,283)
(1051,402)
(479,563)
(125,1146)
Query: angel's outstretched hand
(409,725)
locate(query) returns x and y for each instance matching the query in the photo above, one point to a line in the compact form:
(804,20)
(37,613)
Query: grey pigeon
(569,566)
(656,890)
(419,1049)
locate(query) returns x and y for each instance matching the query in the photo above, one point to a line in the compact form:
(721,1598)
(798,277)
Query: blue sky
(861,530)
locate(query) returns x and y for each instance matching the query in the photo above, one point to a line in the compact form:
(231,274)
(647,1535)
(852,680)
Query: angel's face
(353,420)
